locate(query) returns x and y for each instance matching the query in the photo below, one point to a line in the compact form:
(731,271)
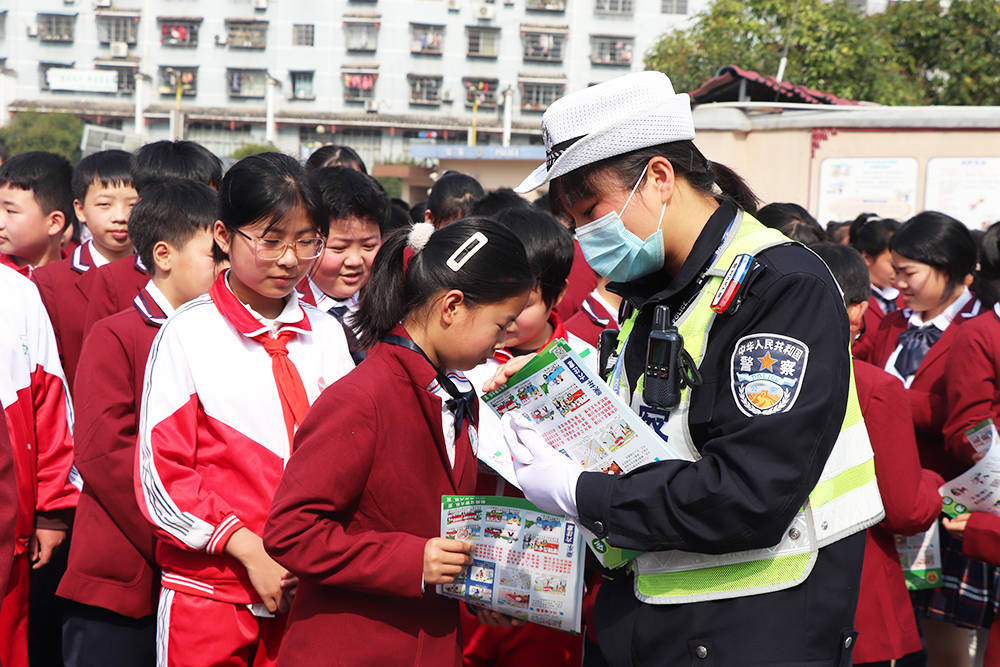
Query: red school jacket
(359,499)
(862,348)
(112,555)
(8,504)
(926,394)
(591,320)
(581,281)
(113,287)
(972,381)
(885,622)
(65,290)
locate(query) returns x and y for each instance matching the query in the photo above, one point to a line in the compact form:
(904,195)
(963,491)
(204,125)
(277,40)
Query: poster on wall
(967,188)
(849,186)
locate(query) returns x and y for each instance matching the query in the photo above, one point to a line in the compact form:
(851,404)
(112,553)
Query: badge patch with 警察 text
(767,371)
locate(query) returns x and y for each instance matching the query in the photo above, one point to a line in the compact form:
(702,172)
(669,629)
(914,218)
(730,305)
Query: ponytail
(402,283)
(710,178)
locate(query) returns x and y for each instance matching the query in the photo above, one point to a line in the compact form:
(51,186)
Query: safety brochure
(526,563)
(978,488)
(580,415)
(983,435)
(920,556)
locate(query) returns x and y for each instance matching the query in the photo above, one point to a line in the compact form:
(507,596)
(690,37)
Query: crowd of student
(225,488)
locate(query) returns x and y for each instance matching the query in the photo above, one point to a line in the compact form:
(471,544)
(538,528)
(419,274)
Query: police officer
(752,539)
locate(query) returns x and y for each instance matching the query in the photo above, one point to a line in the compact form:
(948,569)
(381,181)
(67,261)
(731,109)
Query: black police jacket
(756,471)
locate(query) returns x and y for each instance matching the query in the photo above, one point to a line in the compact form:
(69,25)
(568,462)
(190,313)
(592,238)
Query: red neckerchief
(291,390)
(558,331)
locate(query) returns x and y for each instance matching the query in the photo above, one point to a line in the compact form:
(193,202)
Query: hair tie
(419,235)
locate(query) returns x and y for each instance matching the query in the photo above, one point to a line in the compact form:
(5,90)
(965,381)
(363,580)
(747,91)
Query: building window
(425,89)
(303,34)
(545,5)
(480,92)
(359,86)
(247,82)
(543,46)
(246,34)
(361,35)
(538,96)
(117,29)
(673,6)
(484,42)
(126,78)
(56,27)
(180,33)
(611,50)
(184,77)
(302,85)
(427,39)
(620,7)
(3,29)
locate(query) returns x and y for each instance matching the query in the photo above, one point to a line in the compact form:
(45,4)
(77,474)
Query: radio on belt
(662,377)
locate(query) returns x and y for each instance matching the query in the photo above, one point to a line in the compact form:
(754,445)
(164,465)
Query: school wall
(784,165)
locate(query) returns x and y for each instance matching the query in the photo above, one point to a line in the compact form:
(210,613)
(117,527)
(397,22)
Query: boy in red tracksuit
(114,286)
(111,581)
(103,197)
(36,207)
(39,416)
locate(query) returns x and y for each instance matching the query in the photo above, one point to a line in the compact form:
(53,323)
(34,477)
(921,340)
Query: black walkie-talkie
(607,349)
(662,377)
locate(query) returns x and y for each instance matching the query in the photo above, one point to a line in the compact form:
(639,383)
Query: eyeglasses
(271,250)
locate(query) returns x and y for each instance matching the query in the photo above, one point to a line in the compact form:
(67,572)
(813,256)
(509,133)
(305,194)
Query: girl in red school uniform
(229,378)
(933,256)
(870,236)
(357,514)
(887,629)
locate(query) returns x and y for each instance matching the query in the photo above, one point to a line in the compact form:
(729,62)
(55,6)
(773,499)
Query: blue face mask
(615,252)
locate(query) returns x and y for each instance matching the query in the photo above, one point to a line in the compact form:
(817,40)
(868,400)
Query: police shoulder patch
(767,371)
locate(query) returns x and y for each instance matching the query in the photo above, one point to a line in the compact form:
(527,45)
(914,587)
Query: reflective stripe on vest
(843,502)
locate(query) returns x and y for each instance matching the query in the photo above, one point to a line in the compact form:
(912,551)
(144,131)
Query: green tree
(33,131)
(954,54)
(833,47)
(247,150)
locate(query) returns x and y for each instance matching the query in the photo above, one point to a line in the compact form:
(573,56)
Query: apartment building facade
(378,75)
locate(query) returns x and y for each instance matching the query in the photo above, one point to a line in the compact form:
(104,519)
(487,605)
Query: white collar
(290,313)
(950,313)
(95,255)
(326,302)
(160,298)
(889,293)
(612,311)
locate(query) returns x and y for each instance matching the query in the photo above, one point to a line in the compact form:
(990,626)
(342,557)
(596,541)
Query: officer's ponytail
(414,266)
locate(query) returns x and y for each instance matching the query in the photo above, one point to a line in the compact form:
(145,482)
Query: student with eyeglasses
(229,380)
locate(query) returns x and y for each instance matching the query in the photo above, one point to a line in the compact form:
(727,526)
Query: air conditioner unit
(102,3)
(454,5)
(119,49)
(485,11)
(371,106)
(260,4)
(447,96)
(32,30)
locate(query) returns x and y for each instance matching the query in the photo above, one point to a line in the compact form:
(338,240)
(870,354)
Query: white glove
(547,478)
